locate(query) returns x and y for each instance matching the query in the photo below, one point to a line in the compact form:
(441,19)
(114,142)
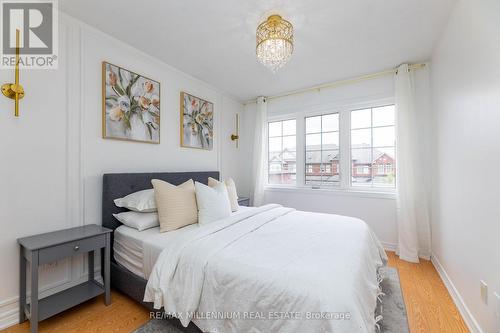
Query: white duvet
(271,269)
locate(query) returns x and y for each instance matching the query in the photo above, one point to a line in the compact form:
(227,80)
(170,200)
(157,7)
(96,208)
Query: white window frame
(344,187)
(272,120)
(371,187)
(304,148)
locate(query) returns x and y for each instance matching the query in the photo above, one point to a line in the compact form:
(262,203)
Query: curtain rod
(341,82)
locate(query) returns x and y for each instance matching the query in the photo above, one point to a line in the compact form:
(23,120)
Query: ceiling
(215,40)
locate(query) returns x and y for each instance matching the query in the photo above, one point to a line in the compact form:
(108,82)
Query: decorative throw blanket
(271,269)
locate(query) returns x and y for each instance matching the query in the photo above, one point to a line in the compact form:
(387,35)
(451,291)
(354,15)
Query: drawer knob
(76,248)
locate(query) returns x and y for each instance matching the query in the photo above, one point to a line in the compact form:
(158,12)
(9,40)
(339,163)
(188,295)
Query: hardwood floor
(123,315)
(428,303)
(430,307)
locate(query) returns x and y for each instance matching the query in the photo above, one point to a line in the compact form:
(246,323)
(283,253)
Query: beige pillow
(231,191)
(176,204)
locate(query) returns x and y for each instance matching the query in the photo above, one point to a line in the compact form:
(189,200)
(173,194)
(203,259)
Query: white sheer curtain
(412,210)
(259,167)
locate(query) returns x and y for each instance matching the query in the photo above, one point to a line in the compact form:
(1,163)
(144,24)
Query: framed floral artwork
(197,122)
(130,106)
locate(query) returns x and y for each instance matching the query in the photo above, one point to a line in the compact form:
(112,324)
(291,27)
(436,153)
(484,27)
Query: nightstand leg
(91,265)
(22,285)
(34,292)
(106,270)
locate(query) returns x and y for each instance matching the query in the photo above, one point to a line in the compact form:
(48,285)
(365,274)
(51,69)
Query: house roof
(361,154)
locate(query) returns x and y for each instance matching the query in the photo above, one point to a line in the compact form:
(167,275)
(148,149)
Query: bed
(117,185)
(137,251)
(266,269)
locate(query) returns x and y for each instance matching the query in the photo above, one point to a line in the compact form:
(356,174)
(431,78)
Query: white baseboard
(469,319)
(9,313)
(9,309)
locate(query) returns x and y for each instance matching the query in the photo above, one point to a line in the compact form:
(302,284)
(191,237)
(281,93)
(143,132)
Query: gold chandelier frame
(274,42)
(275,27)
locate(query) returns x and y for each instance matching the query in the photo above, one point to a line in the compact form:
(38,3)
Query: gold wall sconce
(236,137)
(14,90)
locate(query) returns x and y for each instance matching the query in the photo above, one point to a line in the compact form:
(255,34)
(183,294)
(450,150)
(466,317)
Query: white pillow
(231,191)
(139,221)
(213,202)
(142,201)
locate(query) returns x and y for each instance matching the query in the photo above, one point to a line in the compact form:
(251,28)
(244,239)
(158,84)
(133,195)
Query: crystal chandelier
(274,42)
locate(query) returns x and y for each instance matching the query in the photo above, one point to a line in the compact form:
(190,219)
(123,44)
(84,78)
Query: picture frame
(130,105)
(196,122)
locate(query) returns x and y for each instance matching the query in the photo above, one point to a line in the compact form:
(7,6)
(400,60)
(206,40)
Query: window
(380,169)
(322,150)
(282,152)
(348,149)
(373,146)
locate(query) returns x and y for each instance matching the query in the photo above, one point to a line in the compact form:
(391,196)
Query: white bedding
(271,263)
(128,247)
(137,250)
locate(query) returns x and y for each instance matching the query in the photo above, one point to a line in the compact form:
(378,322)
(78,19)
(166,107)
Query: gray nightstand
(45,248)
(244,201)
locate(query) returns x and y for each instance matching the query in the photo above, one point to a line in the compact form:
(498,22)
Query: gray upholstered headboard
(117,185)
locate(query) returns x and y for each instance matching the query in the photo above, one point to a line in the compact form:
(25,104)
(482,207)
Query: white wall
(466,103)
(53,156)
(379,211)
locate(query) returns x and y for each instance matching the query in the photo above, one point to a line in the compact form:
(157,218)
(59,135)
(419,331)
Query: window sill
(334,191)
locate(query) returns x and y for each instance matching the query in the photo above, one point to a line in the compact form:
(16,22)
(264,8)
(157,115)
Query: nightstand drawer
(71,248)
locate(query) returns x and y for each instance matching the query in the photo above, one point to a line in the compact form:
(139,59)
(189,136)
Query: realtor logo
(36,21)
